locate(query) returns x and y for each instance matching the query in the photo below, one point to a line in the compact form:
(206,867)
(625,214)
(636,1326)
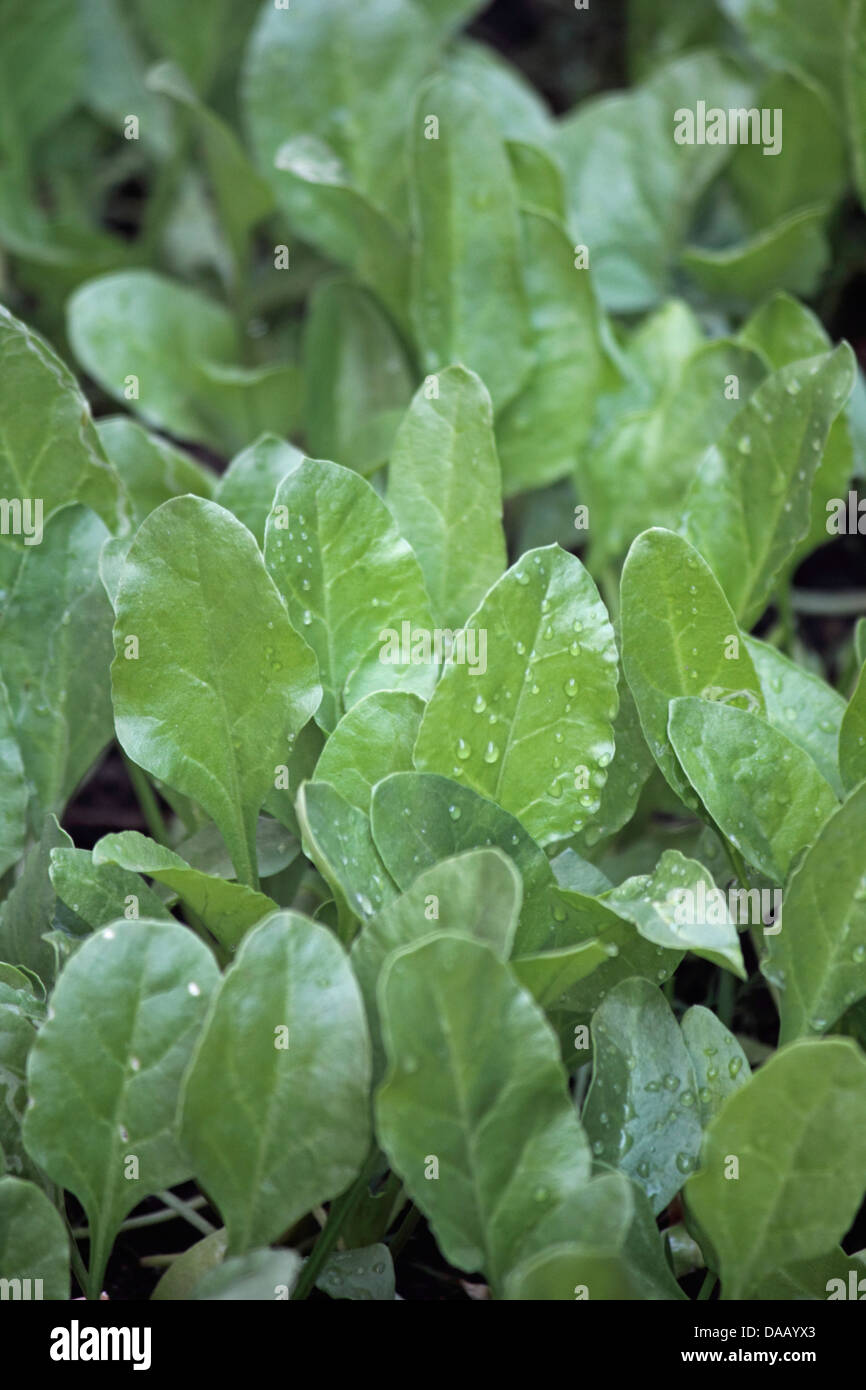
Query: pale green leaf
(275,1129)
(764,793)
(474,1077)
(468,301)
(373,739)
(221,680)
(444,490)
(798,1133)
(531,727)
(346,574)
(106,1093)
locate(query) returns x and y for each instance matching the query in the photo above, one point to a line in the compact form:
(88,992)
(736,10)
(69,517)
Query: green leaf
(792,254)
(468,299)
(798,1131)
(855,87)
(801,705)
(248,485)
(419,819)
(358,381)
(197,36)
(444,491)
(366,1273)
(373,739)
(665,906)
(41,68)
(538,178)
(337,838)
(189,1267)
(641,1112)
(818,959)
(719,1062)
(475,894)
(221,680)
(150,469)
(115,66)
(347,576)
(101,892)
(13,789)
(852,736)
(631,189)
(792,34)
(555,1273)
(258,1275)
(764,793)
(28,911)
(811,1279)
(635,475)
(749,504)
(242,195)
(315,190)
(810,166)
(183,351)
(679,637)
(543,431)
(34,1245)
(451,14)
(50,454)
(514,103)
(540,697)
(206,850)
(228,910)
(632,764)
(55,624)
(550,976)
(474,1077)
(105,1094)
(273,1129)
(21,1013)
(344,75)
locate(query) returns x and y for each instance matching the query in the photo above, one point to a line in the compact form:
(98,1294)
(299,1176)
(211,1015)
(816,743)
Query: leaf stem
(146,798)
(339,1211)
(78,1266)
(188,1213)
(404,1231)
(151,1218)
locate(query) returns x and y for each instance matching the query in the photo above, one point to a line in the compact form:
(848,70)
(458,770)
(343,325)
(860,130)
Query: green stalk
(339,1212)
(146,798)
(707,1286)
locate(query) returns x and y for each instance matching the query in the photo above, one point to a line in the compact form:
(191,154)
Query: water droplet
(570,687)
(522,578)
(671,1082)
(744,444)
(735,1066)
(479,704)
(193,989)
(555,789)
(598,1148)
(306,617)
(685,1163)
(491,753)
(454,812)
(519,648)
(463,749)
(653,1086)
(687,1099)
(643,1169)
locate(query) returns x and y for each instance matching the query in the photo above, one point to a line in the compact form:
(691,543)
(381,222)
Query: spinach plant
(411,488)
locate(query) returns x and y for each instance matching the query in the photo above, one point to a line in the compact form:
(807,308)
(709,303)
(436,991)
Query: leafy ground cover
(432,696)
